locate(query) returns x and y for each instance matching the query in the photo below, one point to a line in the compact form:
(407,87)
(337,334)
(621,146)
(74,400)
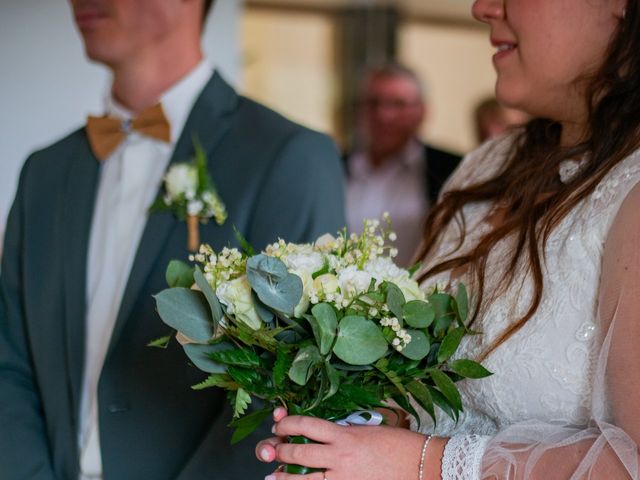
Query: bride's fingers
(314,429)
(310,455)
(266,449)
(279,413)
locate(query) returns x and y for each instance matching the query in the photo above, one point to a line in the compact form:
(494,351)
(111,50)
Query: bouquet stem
(300,469)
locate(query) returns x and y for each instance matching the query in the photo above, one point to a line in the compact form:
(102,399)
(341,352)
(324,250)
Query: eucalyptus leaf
(418,347)
(274,285)
(450,344)
(187,311)
(179,274)
(210,295)
(304,363)
(334,380)
(418,314)
(395,299)
(324,324)
(266,315)
(199,354)
(469,369)
(360,341)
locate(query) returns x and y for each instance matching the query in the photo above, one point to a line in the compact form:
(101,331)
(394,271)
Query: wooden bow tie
(106,133)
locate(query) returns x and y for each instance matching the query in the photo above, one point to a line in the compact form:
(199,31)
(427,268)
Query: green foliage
(274,285)
(245,426)
(330,361)
(162,342)
(179,274)
(324,323)
(304,363)
(241,401)
(187,311)
(360,341)
(469,369)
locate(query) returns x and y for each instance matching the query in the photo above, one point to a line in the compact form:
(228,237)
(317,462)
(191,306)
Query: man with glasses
(392,170)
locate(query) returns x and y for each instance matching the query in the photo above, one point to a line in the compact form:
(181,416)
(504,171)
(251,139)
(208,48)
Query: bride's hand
(349,453)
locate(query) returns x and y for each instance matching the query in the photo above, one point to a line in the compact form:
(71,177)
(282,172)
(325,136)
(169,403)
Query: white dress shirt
(129,181)
(398,186)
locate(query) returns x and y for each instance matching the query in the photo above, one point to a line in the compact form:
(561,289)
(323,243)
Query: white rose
(383,269)
(236,296)
(353,281)
(307,284)
(327,283)
(325,242)
(309,262)
(181,178)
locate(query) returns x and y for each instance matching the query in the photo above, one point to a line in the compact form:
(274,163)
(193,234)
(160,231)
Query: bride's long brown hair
(528,187)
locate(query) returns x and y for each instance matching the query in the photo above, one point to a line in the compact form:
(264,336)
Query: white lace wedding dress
(562,402)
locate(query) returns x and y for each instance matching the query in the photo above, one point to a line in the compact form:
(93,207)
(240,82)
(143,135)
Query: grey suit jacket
(276,179)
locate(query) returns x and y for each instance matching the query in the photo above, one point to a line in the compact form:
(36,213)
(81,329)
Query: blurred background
(300,57)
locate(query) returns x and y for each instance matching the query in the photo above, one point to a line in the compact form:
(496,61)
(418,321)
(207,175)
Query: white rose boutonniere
(191,195)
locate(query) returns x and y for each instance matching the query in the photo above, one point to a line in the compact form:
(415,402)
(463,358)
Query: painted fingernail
(265,454)
(277,412)
(273,429)
(270,477)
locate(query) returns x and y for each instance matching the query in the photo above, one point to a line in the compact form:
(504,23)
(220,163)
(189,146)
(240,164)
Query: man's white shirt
(129,181)
(399,187)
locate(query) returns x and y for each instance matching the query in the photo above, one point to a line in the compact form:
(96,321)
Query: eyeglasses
(375,103)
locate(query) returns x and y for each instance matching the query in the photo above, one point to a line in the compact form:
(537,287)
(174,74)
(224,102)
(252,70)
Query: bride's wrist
(430,466)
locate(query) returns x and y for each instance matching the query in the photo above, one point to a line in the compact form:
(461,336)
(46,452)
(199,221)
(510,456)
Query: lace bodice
(545,371)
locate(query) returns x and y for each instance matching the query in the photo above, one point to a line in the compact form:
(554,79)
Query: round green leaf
(418,347)
(187,311)
(324,324)
(274,285)
(360,341)
(199,354)
(418,314)
(179,274)
(395,299)
(302,367)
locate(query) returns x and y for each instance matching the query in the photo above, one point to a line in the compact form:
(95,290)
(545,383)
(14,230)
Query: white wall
(47,87)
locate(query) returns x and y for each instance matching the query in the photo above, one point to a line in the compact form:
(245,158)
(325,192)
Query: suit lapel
(208,122)
(79,199)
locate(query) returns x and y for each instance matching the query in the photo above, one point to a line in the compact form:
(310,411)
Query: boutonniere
(190,195)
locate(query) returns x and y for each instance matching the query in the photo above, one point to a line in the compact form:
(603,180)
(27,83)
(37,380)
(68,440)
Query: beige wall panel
(455,63)
(290,64)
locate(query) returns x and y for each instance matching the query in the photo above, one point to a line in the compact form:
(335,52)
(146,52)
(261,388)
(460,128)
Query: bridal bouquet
(324,329)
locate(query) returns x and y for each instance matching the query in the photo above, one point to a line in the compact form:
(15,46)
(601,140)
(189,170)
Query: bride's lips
(89,19)
(505,48)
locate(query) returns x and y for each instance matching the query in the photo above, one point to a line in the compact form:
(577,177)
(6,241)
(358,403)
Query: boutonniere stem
(191,195)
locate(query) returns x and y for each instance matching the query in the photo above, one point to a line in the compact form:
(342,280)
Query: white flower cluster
(339,271)
(402,338)
(182,185)
(221,267)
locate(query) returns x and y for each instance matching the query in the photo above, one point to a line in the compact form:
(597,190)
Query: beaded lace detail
(463,457)
(546,370)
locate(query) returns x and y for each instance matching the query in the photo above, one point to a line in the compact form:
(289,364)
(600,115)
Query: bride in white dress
(543,225)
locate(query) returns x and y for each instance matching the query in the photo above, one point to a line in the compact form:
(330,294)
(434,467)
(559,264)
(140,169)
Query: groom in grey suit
(81,396)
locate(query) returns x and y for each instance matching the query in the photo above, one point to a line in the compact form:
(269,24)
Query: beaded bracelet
(422,455)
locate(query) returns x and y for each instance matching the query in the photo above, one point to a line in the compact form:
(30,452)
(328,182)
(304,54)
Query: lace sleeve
(608,446)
